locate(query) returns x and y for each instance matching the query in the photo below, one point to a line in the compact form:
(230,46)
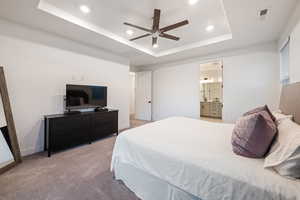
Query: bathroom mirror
(9,146)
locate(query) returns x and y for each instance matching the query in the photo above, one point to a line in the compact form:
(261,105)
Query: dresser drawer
(63,131)
(69,124)
(104,125)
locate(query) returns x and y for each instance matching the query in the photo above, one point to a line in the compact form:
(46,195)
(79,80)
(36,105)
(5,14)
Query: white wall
(36,77)
(251,78)
(294,54)
(292,30)
(290,26)
(176,91)
(132,93)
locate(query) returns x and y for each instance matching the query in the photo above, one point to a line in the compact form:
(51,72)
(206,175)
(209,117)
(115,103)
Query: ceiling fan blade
(168,36)
(177,25)
(138,27)
(154,41)
(156,19)
(139,37)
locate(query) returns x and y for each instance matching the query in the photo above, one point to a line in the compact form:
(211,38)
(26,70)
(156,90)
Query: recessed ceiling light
(129,32)
(85,9)
(193,2)
(155,46)
(210,28)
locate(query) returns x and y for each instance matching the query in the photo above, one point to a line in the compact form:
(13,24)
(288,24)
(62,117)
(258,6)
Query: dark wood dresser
(63,131)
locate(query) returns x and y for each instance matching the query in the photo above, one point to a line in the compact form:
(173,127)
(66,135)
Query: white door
(143,95)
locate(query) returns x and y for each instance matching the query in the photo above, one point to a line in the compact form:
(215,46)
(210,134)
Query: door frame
(149,98)
(222,75)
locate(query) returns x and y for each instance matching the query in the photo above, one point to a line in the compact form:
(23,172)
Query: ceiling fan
(156,32)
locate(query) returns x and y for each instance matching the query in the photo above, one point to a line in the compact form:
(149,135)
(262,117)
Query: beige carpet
(81,173)
(136,123)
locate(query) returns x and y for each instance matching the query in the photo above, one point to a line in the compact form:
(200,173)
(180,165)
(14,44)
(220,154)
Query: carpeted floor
(81,173)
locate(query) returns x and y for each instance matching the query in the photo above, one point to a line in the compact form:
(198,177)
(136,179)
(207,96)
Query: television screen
(84,96)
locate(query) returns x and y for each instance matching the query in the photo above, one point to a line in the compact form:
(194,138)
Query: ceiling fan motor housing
(157,32)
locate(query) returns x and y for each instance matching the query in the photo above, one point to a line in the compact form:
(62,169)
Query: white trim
(40,148)
(203,43)
(48,8)
(290,25)
(284,55)
(286,42)
(212,57)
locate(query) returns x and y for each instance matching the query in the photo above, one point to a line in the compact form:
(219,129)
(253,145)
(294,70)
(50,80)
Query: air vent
(263,12)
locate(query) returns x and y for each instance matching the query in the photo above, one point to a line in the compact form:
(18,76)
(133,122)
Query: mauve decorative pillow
(259,109)
(253,134)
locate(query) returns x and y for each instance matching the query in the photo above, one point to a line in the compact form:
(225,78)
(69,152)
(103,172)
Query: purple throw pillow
(259,109)
(253,134)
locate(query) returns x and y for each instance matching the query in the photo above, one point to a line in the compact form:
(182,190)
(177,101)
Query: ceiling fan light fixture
(85,9)
(129,32)
(193,2)
(155,46)
(210,28)
(156,32)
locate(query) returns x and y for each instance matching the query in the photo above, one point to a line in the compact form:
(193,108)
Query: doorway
(211,91)
(132,95)
(143,95)
(140,98)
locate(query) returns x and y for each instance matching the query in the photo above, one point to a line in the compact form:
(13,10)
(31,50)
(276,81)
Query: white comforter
(196,156)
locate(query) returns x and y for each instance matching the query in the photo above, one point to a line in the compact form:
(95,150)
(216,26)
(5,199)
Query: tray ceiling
(247,28)
(107,17)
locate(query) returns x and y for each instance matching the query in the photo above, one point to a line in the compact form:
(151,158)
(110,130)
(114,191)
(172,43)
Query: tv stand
(69,112)
(99,109)
(67,130)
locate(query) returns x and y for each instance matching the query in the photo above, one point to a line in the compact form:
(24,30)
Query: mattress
(196,157)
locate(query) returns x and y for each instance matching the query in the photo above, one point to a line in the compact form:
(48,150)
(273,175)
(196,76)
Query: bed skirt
(148,187)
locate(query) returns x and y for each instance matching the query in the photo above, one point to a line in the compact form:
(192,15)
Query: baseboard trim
(7,167)
(40,148)
(30,151)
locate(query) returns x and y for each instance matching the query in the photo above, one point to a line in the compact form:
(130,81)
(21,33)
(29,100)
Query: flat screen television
(85,96)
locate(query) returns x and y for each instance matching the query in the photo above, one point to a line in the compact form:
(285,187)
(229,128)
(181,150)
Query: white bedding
(196,157)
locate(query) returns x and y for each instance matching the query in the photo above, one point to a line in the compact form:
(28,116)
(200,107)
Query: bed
(187,159)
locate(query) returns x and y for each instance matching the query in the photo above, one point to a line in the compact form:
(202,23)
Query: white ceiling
(107,18)
(236,17)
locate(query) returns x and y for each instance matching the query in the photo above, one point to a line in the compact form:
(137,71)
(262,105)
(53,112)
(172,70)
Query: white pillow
(284,156)
(280,116)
